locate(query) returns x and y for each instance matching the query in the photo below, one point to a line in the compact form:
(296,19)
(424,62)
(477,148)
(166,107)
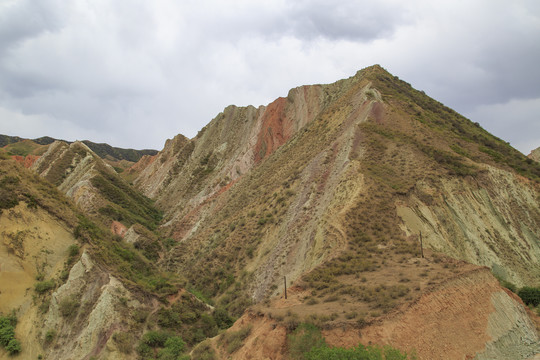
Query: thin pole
(285,282)
(421,245)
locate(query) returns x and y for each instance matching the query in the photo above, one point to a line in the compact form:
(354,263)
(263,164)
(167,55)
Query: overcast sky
(133,73)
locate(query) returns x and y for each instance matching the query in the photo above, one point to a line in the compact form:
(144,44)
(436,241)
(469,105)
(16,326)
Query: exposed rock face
(71,167)
(32,243)
(190,178)
(493,222)
(102,304)
(470,316)
(346,174)
(26,161)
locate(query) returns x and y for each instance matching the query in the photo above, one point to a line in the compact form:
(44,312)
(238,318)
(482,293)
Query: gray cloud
(134,73)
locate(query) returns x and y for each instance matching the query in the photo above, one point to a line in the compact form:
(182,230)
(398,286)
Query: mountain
(535,154)
(344,179)
(70,285)
(27,151)
(391,219)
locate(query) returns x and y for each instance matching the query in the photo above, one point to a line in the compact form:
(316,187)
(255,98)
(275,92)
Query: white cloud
(134,73)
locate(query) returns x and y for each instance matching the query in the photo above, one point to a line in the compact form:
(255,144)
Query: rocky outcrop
(493,221)
(71,168)
(86,311)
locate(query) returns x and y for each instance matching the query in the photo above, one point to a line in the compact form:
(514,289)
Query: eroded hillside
(385,213)
(339,182)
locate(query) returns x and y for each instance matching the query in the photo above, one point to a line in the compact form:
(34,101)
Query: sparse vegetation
(204,351)
(50,335)
(233,340)
(7,334)
(68,306)
(305,337)
(42,287)
(360,352)
(161,345)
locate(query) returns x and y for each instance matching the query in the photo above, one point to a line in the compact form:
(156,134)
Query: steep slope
(450,321)
(93,185)
(76,290)
(40,268)
(307,174)
(339,188)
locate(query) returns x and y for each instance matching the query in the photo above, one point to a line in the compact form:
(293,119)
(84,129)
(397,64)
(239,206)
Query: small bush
(530,295)
(42,287)
(204,351)
(303,339)
(234,340)
(49,336)
(7,334)
(222,318)
(68,306)
(73,250)
(174,347)
(155,338)
(13,347)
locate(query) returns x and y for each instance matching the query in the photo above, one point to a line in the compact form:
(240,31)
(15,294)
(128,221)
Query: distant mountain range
(104,151)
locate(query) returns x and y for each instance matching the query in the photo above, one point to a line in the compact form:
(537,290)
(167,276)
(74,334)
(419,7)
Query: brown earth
(118,228)
(26,161)
(465,317)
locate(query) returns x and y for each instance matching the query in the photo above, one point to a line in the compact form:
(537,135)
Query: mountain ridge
(103,150)
(386,213)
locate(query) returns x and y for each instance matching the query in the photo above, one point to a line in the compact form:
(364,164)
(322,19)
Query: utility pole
(421,245)
(285,282)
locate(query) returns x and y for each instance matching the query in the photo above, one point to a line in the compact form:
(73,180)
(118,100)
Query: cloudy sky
(133,73)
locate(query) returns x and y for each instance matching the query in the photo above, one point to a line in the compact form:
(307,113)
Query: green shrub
(43,286)
(174,347)
(68,306)
(233,340)
(13,347)
(530,295)
(7,334)
(222,318)
(73,250)
(155,338)
(49,336)
(203,351)
(303,339)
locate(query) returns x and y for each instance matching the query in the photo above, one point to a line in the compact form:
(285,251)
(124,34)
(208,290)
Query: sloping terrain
(93,185)
(75,289)
(27,151)
(339,188)
(359,161)
(385,213)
